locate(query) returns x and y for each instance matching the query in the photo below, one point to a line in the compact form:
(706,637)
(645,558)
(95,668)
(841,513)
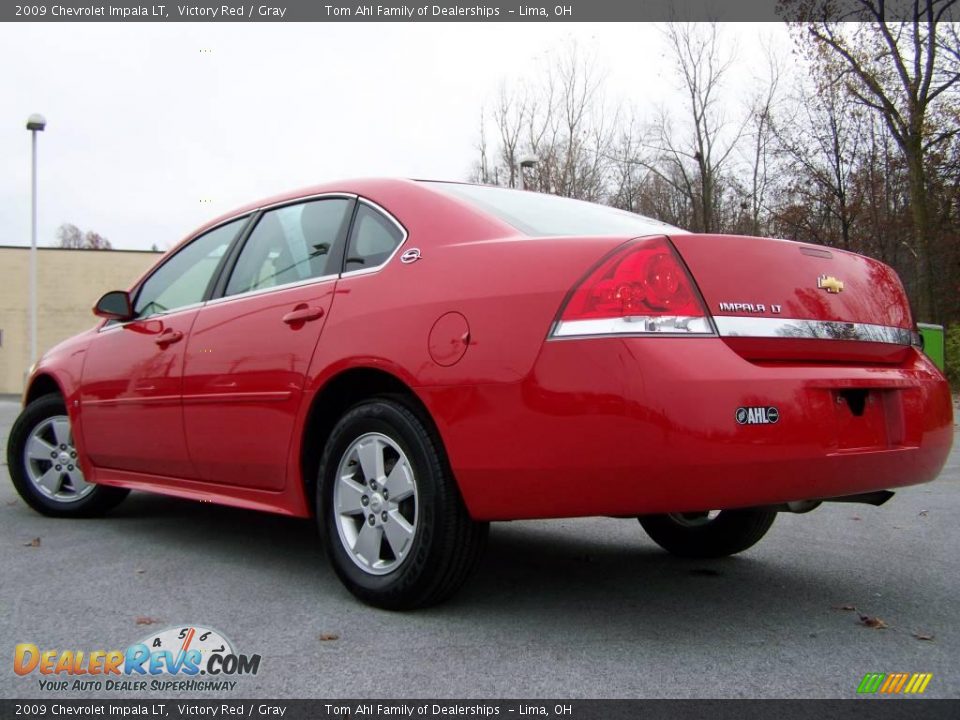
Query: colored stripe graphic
(870,683)
(895,683)
(922,683)
(890,683)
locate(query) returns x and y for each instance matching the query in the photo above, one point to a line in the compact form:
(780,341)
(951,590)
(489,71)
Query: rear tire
(698,535)
(395,527)
(42,460)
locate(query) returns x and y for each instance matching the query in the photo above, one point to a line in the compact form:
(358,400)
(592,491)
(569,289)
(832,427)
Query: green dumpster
(932,342)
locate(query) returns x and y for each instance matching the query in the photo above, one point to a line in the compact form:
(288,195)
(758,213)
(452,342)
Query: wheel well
(334,399)
(42,385)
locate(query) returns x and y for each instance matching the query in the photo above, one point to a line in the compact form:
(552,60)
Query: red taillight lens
(642,288)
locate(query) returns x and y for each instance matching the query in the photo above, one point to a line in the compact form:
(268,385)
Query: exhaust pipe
(876,498)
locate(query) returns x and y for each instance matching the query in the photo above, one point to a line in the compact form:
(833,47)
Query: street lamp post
(528,162)
(35,123)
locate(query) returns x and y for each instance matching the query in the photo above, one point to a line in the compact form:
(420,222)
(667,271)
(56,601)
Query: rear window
(543,215)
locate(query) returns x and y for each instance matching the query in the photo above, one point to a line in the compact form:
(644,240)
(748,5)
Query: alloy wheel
(50,460)
(375,503)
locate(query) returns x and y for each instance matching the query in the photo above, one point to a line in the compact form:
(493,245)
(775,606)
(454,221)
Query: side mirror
(115,305)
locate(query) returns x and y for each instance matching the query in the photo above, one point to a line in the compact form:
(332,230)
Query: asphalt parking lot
(571,608)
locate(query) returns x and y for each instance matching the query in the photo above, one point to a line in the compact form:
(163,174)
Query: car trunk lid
(779,300)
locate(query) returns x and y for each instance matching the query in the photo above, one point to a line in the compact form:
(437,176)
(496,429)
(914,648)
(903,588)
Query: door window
(291,244)
(183,279)
(373,239)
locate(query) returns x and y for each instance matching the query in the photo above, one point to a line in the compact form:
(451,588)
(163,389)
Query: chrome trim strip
(272,206)
(134,400)
(274,288)
(305,198)
(763,327)
(383,211)
(634,325)
(114,324)
(240,397)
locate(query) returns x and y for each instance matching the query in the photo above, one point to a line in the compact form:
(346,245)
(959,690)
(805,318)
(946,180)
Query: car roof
(356,186)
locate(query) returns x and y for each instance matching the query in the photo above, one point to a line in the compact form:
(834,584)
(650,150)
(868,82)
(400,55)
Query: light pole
(35,123)
(527,162)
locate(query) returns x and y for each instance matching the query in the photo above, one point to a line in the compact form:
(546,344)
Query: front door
(131,413)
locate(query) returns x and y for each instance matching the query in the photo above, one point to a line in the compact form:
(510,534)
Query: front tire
(42,460)
(708,535)
(395,527)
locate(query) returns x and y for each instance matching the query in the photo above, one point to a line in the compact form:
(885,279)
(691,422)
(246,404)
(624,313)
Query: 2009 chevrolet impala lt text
(409,360)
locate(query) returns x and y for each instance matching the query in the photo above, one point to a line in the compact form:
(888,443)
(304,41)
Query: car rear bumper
(632,426)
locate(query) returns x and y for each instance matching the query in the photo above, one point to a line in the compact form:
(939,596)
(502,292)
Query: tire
(699,535)
(53,485)
(421,544)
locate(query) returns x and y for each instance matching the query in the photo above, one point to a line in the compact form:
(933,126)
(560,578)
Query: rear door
(130,391)
(249,349)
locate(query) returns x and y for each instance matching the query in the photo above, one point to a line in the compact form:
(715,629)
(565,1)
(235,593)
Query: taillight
(641,289)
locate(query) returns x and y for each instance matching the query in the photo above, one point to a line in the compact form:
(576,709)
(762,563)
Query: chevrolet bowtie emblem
(830,284)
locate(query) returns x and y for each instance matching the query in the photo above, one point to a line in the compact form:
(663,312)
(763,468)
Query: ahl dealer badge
(757,415)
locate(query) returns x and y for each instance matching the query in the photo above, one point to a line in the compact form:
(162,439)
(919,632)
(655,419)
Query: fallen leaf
(33,543)
(922,636)
(844,607)
(324,637)
(855,517)
(923,513)
(144,620)
(873,622)
(140,571)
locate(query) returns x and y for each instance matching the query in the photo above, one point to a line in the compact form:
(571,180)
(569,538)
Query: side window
(291,244)
(183,279)
(372,239)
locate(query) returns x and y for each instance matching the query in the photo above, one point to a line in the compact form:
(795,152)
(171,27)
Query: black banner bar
(445,11)
(874,709)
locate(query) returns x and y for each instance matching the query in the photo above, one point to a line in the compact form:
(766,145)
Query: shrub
(951,352)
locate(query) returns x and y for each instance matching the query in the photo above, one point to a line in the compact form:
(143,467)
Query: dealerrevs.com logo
(182,658)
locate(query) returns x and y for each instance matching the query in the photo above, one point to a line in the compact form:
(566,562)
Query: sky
(155,129)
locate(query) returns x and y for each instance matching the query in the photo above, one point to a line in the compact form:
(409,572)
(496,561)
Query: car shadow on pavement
(595,575)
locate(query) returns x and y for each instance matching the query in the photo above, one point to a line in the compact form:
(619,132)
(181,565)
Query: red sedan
(408,361)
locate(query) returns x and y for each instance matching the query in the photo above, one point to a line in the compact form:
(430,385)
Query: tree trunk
(919,209)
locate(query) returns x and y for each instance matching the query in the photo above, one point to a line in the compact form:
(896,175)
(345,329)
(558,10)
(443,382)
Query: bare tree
(901,69)
(694,162)
(70,236)
(627,175)
(559,119)
(820,141)
(482,171)
(759,153)
(510,116)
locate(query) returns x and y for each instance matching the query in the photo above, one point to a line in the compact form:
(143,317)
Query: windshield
(538,214)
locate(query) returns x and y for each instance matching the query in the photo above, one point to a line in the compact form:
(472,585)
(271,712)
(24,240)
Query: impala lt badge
(749,307)
(830,284)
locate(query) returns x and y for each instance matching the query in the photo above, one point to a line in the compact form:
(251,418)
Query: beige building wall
(69,282)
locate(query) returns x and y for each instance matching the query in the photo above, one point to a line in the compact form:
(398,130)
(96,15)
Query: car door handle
(168,337)
(303,314)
